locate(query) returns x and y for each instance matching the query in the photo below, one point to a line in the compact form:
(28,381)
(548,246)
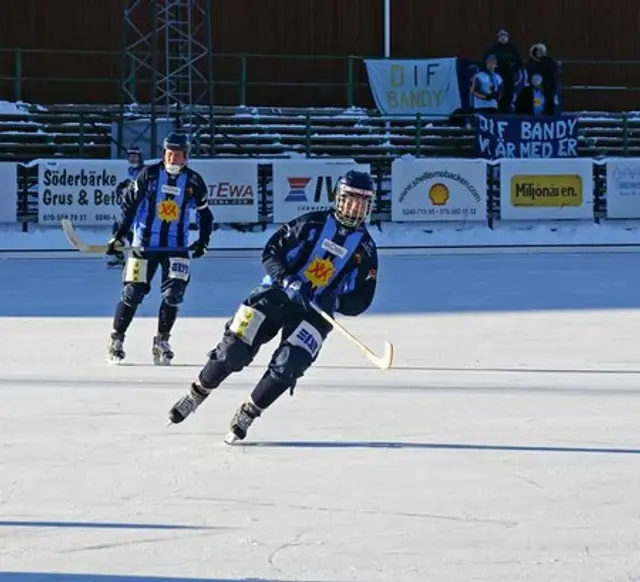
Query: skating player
(325,257)
(157,209)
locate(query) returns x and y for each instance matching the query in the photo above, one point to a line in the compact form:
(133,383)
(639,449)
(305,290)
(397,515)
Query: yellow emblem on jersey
(168,211)
(319,272)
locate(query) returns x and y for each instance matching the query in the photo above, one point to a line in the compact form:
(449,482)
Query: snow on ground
(503,445)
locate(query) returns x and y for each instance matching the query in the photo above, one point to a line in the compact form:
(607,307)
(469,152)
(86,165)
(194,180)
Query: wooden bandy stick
(383,362)
(102,249)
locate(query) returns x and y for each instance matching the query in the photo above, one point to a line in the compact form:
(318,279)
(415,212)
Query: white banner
(549,189)
(301,186)
(438,190)
(623,187)
(83,191)
(9,189)
(233,188)
(408,87)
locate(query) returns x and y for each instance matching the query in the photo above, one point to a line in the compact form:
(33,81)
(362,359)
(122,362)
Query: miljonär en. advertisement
(546,189)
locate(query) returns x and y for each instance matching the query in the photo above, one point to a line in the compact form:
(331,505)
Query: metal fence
(264,79)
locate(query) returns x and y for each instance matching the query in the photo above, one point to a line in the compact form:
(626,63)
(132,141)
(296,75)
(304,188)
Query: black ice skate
(115,349)
(241,421)
(188,403)
(162,353)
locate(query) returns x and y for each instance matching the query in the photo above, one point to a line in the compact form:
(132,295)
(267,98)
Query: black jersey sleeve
(201,198)
(289,236)
(358,297)
(132,197)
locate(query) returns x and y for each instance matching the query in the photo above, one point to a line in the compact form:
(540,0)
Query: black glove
(297,291)
(198,249)
(114,246)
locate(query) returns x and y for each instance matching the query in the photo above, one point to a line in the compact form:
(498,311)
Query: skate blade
(231,438)
(114,361)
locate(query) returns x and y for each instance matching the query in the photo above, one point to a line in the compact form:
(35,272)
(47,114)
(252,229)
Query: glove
(198,248)
(297,291)
(114,246)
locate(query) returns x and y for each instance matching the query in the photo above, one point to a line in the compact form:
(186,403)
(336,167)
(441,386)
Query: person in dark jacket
(509,65)
(532,101)
(540,63)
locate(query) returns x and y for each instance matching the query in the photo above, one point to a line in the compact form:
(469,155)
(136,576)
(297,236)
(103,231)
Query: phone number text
(78,218)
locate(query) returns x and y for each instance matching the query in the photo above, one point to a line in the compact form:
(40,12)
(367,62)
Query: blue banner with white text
(503,136)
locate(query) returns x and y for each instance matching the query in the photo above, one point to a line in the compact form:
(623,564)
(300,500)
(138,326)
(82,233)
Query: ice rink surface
(503,446)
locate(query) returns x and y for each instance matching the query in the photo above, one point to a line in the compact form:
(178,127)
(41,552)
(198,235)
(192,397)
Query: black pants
(266,312)
(141,269)
(129,236)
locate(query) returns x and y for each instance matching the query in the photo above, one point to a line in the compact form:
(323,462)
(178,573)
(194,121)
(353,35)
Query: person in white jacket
(488,86)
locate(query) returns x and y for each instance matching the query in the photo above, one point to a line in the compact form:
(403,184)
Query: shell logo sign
(438,194)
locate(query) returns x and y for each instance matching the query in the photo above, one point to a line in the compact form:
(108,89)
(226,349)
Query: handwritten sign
(408,87)
(526,137)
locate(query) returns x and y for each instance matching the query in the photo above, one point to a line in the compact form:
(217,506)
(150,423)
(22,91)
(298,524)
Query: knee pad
(173,294)
(230,355)
(292,359)
(233,353)
(288,364)
(134,293)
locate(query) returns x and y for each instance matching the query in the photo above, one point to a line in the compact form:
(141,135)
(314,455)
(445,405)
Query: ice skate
(188,403)
(162,353)
(241,421)
(115,348)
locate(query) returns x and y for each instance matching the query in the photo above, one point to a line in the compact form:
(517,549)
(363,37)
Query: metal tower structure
(167,57)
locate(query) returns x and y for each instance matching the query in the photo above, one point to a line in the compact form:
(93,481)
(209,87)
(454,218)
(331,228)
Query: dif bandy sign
(513,137)
(83,191)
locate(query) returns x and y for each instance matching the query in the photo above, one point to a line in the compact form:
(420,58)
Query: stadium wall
(586,30)
(432,204)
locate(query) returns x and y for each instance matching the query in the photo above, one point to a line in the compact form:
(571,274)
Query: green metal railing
(238,73)
(238,77)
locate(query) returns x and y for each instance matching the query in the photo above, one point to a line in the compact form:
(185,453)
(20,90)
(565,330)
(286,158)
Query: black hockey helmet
(135,157)
(354,198)
(177,141)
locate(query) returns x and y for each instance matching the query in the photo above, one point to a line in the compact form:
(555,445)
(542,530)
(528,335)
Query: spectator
(540,63)
(509,66)
(532,100)
(487,87)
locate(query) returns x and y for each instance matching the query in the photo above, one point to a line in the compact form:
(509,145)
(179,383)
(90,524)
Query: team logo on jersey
(168,211)
(297,190)
(319,272)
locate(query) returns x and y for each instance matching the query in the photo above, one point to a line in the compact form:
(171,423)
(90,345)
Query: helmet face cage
(176,142)
(353,205)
